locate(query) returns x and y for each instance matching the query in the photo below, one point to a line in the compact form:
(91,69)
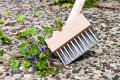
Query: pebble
(17,76)
(51,78)
(75,71)
(31,70)
(21,68)
(68,75)
(2,75)
(2,69)
(103,25)
(8,78)
(16,72)
(28,76)
(6,56)
(113,65)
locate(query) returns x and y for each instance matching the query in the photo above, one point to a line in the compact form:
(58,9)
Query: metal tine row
(75,49)
(68,53)
(87,40)
(93,35)
(71,50)
(65,55)
(77,46)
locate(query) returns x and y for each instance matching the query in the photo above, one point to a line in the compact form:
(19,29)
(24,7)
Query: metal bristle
(71,51)
(65,57)
(67,53)
(82,43)
(90,39)
(93,35)
(77,46)
(60,57)
(85,40)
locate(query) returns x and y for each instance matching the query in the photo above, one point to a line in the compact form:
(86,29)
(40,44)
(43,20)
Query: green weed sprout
(58,25)
(37,13)
(4,39)
(8,13)
(21,18)
(1,21)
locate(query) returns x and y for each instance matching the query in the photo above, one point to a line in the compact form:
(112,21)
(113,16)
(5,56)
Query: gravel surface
(101,62)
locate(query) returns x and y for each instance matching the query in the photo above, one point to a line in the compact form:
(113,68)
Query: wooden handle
(77,7)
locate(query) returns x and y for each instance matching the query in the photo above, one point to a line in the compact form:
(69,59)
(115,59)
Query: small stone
(35,79)
(17,76)
(7,56)
(98,68)
(2,75)
(51,78)
(114,78)
(57,78)
(44,78)
(105,77)
(75,71)
(103,25)
(117,76)
(6,63)
(31,70)
(28,76)
(7,68)
(21,68)
(16,72)
(8,78)
(113,65)
(68,75)
(61,75)
(2,69)
(7,74)
(72,77)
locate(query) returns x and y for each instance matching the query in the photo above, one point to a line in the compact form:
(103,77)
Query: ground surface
(100,63)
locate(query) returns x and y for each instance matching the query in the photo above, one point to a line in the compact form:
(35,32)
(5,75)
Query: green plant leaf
(66,5)
(1,21)
(4,39)
(58,25)
(37,13)
(48,31)
(14,64)
(26,64)
(23,49)
(27,33)
(33,50)
(90,3)
(21,18)
(8,13)
(41,40)
(42,56)
(1,52)
(32,31)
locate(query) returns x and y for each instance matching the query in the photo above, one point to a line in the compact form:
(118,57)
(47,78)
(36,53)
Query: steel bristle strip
(77,46)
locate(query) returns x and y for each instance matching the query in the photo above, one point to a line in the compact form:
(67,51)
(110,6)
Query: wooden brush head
(70,30)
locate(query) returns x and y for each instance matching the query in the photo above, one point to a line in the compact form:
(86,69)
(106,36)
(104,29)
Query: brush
(76,37)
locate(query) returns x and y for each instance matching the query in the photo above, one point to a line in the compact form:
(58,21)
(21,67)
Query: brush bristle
(77,46)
